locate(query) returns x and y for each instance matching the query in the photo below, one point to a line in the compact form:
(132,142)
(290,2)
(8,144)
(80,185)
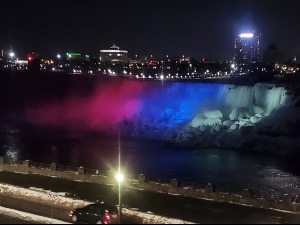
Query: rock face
(264,119)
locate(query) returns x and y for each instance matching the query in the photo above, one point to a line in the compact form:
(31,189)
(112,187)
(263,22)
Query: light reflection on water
(229,170)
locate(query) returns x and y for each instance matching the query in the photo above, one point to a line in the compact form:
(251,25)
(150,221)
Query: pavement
(177,207)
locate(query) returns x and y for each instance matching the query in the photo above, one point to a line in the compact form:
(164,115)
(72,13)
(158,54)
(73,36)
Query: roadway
(179,207)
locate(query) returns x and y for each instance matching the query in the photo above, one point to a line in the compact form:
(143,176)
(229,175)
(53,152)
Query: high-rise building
(247,48)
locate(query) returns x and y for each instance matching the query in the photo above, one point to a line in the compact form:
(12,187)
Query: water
(80,106)
(229,170)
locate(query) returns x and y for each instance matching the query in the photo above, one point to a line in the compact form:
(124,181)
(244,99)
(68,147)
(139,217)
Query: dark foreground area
(178,207)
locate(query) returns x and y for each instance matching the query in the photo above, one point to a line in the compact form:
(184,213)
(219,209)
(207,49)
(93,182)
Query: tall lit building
(247,48)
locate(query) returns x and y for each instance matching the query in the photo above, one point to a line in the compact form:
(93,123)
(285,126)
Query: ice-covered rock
(212,122)
(240,113)
(234,127)
(234,114)
(258,110)
(254,119)
(218,128)
(198,121)
(228,123)
(213,114)
(202,128)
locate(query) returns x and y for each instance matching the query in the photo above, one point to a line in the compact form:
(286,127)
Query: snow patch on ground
(150,218)
(29,217)
(41,196)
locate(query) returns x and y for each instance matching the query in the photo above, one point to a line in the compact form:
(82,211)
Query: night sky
(195,28)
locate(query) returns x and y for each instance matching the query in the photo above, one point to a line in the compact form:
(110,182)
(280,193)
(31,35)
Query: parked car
(98,213)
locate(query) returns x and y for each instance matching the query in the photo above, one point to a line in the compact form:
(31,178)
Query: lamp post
(58,61)
(120,179)
(11,55)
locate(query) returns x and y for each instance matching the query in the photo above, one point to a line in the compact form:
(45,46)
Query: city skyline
(194,28)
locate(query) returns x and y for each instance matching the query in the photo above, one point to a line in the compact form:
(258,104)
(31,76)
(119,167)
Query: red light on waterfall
(29,58)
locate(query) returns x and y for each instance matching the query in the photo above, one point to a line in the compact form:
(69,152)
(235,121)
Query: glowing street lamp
(120,179)
(12,54)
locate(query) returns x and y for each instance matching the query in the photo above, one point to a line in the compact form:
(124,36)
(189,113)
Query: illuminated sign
(73,54)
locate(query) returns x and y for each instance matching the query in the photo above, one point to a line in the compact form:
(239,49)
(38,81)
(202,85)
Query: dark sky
(195,28)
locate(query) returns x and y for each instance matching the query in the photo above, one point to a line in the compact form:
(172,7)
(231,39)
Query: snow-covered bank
(29,217)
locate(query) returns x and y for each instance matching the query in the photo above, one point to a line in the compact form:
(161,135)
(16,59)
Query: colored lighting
(117,101)
(74,54)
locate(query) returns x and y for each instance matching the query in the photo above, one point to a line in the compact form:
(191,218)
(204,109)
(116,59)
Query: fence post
(210,188)
(142,179)
(53,167)
(247,193)
(26,163)
(81,170)
(1,163)
(175,183)
(26,166)
(287,202)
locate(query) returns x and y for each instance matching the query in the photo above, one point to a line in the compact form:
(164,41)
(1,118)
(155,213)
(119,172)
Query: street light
(58,61)
(120,178)
(11,55)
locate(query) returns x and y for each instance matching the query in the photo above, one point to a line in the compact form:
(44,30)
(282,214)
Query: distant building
(77,62)
(114,55)
(247,48)
(272,56)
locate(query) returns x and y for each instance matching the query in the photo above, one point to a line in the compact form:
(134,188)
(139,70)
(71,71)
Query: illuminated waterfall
(150,109)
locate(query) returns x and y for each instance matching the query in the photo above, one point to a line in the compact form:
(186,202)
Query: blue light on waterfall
(176,104)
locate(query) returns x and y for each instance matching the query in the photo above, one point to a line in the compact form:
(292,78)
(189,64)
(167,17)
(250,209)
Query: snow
(40,196)
(57,198)
(29,217)
(151,218)
(213,114)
